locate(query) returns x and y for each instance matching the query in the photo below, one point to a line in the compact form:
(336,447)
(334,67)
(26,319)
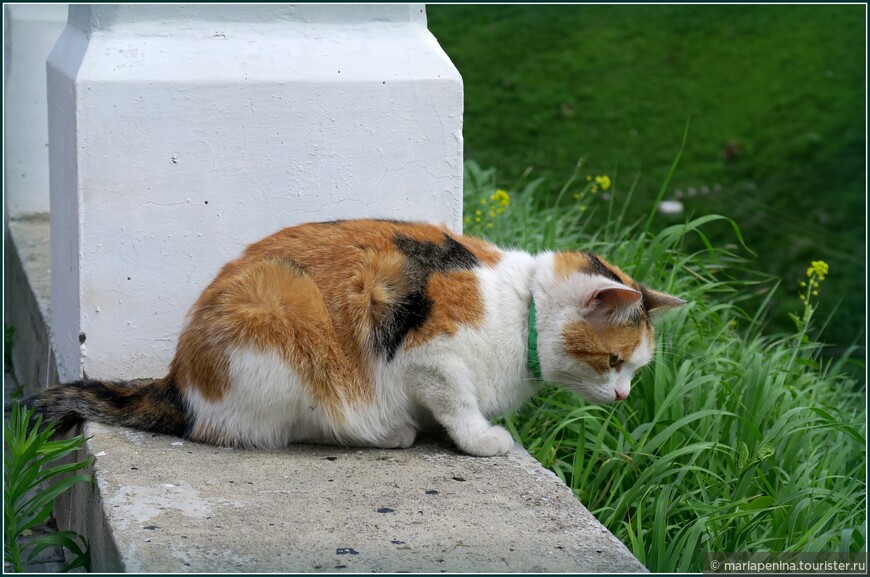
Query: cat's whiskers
(646,368)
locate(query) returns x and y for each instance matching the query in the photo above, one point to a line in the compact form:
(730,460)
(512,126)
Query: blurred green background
(776,96)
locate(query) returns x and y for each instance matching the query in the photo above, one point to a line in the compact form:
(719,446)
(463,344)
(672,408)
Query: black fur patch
(175,419)
(601,269)
(405,314)
(429,257)
(412,310)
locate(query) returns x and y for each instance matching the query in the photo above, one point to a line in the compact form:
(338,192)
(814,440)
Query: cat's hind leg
(401,437)
(286,374)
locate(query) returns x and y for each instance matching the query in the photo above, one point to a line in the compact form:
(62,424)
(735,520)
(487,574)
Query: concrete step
(161,504)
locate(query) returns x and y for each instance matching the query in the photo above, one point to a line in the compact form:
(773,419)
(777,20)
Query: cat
(364,332)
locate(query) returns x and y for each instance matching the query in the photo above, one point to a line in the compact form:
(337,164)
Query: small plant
(490,208)
(592,187)
(17,393)
(30,485)
(816,273)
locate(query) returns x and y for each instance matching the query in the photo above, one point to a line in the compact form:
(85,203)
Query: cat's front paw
(494,441)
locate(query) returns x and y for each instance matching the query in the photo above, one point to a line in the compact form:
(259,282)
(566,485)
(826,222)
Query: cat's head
(593,324)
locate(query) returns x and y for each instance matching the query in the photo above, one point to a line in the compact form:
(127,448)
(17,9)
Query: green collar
(534,363)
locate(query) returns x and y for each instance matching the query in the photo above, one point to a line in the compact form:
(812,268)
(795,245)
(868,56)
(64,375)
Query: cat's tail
(157,406)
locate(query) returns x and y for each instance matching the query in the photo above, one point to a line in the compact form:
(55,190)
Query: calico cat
(365,332)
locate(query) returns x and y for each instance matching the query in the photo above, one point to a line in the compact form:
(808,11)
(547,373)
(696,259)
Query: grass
(733,439)
(776,96)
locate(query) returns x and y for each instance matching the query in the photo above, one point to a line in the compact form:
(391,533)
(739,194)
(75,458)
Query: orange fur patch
(567,263)
(268,305)
(456,300)
(594,344)
(379,282)
(314,293)
(485,252)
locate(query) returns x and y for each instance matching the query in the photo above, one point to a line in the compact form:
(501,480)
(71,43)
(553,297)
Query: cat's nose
(620,395)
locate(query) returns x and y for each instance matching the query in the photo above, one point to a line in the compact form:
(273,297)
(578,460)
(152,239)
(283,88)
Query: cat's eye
(613,360)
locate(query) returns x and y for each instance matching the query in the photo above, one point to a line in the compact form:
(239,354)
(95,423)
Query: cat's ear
(656,302)
(614,300)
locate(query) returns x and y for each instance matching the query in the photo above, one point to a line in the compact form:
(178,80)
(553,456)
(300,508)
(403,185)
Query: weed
(31,482)
(18,392)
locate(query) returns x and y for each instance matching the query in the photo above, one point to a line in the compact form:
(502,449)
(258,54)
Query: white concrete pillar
(29,32)
(181,133)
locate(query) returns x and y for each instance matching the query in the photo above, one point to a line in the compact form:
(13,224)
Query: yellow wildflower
(603,182)
(502,198)
(819,268)
(816,273)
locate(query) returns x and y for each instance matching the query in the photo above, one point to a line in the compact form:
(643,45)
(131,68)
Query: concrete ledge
(160,504)
(27,296)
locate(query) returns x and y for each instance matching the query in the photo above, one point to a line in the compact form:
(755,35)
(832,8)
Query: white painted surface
(186,132)
(61,69)
(30,30)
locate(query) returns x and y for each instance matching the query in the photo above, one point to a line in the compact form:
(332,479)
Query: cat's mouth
(603,399)
(605,394)
(598,393)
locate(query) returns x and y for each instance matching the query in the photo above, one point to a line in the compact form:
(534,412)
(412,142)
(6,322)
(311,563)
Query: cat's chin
(601,401)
